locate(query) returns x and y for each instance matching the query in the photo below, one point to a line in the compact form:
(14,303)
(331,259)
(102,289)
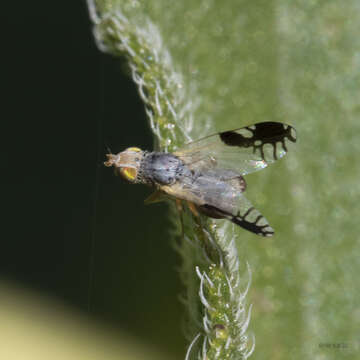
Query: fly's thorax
(127,163)
(159,168)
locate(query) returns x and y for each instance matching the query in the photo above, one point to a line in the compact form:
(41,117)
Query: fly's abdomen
(161,168)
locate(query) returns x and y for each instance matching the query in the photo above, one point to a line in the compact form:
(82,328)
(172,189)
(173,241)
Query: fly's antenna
(108,148)
(107,152)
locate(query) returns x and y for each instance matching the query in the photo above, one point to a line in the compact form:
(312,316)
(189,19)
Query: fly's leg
(155,197)
(179,208)
(211,251)
(193,209)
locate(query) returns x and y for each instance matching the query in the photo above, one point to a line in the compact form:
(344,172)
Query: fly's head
(126,163)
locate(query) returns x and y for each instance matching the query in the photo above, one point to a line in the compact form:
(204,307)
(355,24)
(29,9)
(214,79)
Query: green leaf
(207,66)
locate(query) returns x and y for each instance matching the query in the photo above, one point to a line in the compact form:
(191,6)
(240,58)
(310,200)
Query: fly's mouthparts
(111,160)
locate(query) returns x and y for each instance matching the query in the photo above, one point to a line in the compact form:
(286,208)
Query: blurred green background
(59,89)
(67,220)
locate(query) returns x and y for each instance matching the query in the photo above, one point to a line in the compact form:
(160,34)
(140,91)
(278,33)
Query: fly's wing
(245,150)
(219,194)
(250,218)
(240,211)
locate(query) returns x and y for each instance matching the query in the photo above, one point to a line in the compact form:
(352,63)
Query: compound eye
(128,173)
(135,149)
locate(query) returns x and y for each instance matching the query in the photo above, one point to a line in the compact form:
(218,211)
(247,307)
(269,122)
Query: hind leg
(179,208)
(193,208)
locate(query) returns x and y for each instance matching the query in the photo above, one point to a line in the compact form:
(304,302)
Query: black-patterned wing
(251,219)
(245,150)
(219,194)
(242,214)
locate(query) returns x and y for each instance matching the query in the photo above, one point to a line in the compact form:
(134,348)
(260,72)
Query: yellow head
(126,163)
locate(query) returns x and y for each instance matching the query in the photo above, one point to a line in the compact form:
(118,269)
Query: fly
(208,173)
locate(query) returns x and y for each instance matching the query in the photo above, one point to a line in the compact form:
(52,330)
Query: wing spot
(262,230)
(262,134)
(234,138)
